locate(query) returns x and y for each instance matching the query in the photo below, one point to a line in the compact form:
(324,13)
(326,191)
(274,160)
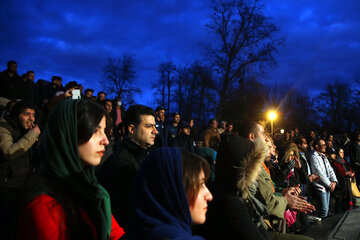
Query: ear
(131,129)
(251,136)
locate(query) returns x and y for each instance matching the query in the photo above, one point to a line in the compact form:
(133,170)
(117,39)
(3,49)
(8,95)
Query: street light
(272,115)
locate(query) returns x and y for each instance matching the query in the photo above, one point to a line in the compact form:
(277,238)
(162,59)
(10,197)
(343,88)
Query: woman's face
(341,153)
(199,208)
(291,156)
(92,151)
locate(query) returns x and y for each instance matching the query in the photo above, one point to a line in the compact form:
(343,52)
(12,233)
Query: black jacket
(116,176)
(9,85)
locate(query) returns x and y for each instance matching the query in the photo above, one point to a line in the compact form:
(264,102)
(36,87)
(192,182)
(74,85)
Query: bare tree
(243,38)
(167,71)
(336,103)
(118,77)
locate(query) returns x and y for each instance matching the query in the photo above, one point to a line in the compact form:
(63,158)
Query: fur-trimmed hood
(285,150)
(238,163)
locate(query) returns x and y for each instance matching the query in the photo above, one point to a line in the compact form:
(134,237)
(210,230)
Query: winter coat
(15,144)
(235,213)
(117,174)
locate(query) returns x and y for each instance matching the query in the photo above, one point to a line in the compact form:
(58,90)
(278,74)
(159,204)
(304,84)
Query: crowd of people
(78,166)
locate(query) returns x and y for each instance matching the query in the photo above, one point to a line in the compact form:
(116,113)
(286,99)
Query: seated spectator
(169,195)
(63,199)
(18,135)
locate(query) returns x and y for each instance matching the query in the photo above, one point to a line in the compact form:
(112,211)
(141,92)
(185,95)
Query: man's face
(176,118)
(329,143)
(261,133)
(12,68)
(89,94)
(31,76)
(321,147)
(292,134)
(108,106)
(145,133)
(332,156)
(27,118)
(303,147)
(230,128)
(191,123)
(186,131)
(161,113)
(101,96)
(223,125)
(312,134)
(214,124)
(358,137)
(57,82)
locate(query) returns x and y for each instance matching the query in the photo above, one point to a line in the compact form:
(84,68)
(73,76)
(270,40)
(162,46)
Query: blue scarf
(160,208)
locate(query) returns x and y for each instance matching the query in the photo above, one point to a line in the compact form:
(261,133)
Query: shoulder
(45,206)
(42,218)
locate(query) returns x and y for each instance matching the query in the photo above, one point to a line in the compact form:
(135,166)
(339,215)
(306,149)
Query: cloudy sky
(73,39)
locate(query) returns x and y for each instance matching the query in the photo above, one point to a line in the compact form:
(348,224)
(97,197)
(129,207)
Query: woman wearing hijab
(62,199)
(169,195)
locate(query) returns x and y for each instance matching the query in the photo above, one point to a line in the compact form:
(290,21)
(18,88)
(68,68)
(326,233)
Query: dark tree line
(227,82)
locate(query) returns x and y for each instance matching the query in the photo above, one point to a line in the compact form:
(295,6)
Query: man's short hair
(106,100)
(133,115)
(19,107)
(159,108)
(89,90)
(298,140)
(101,92)
(212,120)
(11,62)
(228,124)
(30,71)
(247,127)
(174,114)
(317,142)
(53,78)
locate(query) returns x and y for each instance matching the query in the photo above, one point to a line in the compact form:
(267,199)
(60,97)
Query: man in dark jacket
(118,172)
(183,139)
(171,130)
(305,174)
(160,126)
(9,81)
(18,134)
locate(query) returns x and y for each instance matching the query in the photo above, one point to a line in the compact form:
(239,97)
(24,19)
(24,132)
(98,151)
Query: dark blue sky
(73,38)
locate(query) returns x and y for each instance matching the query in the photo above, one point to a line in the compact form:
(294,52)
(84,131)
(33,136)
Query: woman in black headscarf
(63,199)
